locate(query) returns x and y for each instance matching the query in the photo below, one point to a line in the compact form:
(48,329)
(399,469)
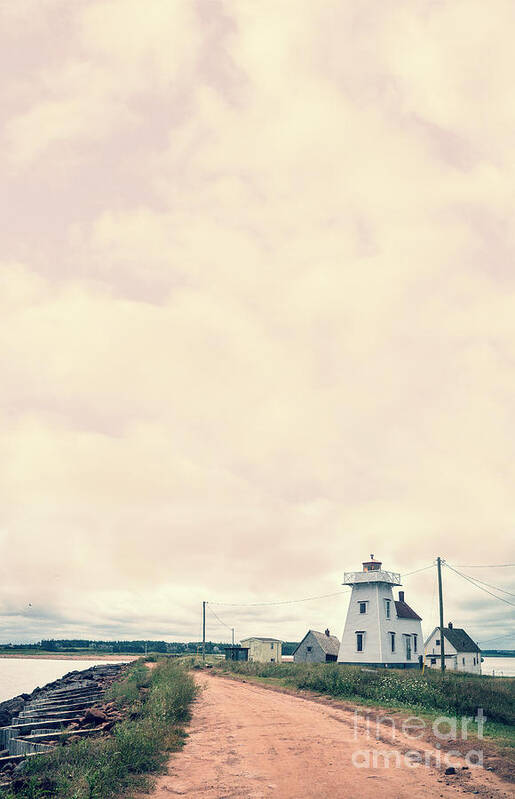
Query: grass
(156,704)
(458,694)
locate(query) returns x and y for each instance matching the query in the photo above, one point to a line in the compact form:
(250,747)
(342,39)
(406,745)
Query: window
(362,607)
(309,648)
(433,661)
(437,642)
(463,661)
(415,642)
(360,642)
(387,608)
(271,646)
(392,642)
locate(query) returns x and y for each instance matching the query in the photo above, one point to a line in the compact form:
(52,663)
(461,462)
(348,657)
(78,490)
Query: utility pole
(203,631)
(232,628)
(440,598)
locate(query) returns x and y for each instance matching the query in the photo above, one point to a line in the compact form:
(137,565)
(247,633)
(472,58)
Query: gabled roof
(461,641)
(458,638)
(328,643)
(404,611)
(266,640)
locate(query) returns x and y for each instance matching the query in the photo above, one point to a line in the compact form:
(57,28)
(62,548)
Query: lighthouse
(379,630)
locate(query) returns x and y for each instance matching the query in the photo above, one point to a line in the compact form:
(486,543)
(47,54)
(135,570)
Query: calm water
(504,667)
(18,675)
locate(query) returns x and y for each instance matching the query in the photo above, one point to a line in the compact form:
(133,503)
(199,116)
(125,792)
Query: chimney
(450,625)
(401,596)
(327,632)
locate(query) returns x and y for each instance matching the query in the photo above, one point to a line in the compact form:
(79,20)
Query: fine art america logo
(446,729)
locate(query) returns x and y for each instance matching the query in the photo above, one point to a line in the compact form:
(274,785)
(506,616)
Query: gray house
(317,647)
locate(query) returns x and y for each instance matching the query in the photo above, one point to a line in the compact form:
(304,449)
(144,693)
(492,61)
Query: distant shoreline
(56,656)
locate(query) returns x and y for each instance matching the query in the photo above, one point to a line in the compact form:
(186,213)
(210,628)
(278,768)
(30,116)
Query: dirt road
(247,742)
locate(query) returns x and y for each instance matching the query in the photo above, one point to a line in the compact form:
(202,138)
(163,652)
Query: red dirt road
(247,742)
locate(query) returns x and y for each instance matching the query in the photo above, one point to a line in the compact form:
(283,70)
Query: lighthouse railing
(379,576)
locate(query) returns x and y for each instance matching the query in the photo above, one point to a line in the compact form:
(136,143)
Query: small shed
(461,653)
(236,653)
(317,647)
(264,650)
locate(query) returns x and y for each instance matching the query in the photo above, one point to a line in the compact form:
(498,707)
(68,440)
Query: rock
(94,716)
(450,770)
(9,709)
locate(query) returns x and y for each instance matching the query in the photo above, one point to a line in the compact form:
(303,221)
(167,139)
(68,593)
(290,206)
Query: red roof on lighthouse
(372,565)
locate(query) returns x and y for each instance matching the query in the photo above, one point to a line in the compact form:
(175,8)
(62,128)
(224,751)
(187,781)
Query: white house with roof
(317,647)
(263,650)
(379,630)
(460,651)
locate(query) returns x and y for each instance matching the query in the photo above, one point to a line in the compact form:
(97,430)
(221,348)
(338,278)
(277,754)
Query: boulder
(94,716)
(9,709)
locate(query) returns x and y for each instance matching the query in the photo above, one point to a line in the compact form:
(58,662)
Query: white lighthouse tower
(379,630)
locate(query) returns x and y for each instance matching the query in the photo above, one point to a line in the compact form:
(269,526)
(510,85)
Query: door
(408,647)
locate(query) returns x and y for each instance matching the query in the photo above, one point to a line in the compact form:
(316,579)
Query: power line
(472,582)
(502,590)
(306,599)
(487,566)
(423,569)
(499,638)
(281,602)
(217,618)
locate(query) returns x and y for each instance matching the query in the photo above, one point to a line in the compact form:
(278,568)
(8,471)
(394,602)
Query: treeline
(117,647)
(83,645)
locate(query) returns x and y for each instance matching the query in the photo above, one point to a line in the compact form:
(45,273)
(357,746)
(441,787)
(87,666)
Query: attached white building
(379,630)
(460,651)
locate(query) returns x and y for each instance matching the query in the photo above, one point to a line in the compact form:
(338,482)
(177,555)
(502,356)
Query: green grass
(157,706)
(457,694)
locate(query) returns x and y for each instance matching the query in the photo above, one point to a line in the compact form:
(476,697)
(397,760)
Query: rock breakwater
(61,712)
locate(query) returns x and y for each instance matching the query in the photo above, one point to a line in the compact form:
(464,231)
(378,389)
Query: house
(236,652)
(263,650)
(379,630)
(460,651)
(317,647)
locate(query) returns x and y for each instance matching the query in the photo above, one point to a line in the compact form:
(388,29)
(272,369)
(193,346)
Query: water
(503,667)
(22,675)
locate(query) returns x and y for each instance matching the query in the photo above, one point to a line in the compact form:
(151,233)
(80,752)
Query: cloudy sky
(257,293)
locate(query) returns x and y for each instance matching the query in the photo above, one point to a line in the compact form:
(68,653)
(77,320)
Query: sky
(257,293)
